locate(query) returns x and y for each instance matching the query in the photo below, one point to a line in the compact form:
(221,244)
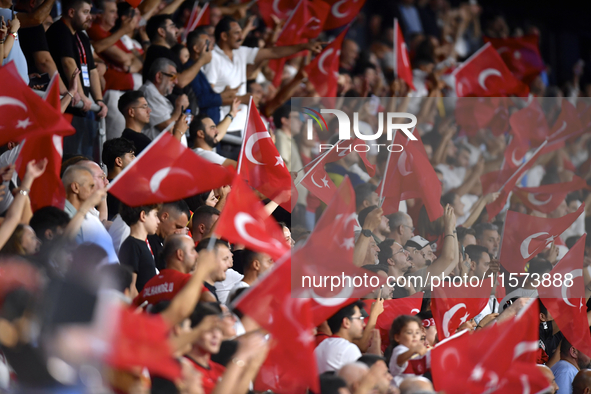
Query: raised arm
(35,18)
(448,259)
(278,52)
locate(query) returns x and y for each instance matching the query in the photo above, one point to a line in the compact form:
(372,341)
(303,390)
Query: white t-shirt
(452,176)
(223,288)
(421,364)
(240,285)
(210,155)
(222,72)
(333,353)
(119,231)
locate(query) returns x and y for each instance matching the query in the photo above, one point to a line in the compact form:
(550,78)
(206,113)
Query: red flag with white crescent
(525,236)
(547,198)
(323,71)
(167,171)
(402,68)
(342,12)
(260,164)
(245,221)
(319,183)
(521,55)
(566,301)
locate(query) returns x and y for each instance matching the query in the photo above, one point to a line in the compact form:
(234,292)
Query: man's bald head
(547,372)
(75,174)
(352,374)
(416,384)
(582,382)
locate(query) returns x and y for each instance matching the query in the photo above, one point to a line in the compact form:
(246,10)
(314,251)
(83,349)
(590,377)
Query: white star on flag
(464,318)
(325,181)
(279,161)
(306,337)
(550,238)
(23,124)
(477,373)
(349,243)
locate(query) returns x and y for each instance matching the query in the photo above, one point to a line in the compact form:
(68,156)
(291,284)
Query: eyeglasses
(400,251)
(171,76)
(145,106)
(411,228)
(357,317)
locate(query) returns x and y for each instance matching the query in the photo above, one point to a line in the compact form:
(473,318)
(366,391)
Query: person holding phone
(12,47)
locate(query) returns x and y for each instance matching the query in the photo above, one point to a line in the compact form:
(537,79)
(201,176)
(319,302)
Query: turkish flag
(409,174)
(167,171)
(472,77)
(48,189)
(507,364)
(525,236)
(402,68)
(453,306)
(529,124)
(473,114)
(141,340)
(329,252)
(260,164)
(24,114)
(280,8)
(392,309)
(343,148)
(317,13)
(504,181)
(514,154)
(290,366)
(323,71)
(199,17)
(547,198)
(291,34)
(342,12)
(321,186)
(244,220)
(566,302)
(521,55)
(567,125)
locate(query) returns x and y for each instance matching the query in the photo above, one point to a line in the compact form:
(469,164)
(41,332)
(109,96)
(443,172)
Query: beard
(210,141)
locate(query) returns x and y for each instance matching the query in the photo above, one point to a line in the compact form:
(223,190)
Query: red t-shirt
(209,376)
(116,78)
(163,287)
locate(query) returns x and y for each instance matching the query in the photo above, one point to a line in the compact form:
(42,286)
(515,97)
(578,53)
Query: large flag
(167,171)
(342,12)
(567,125)
(24,114)
(547,198)
(504,181)
(507,364)
(199,17)
(453,306)
(485,74)
(279,8)
(525,236)
(521,55)
(317,13)
(141,340)
(323,71)
(319,183)
(409,174)
(290,366)
(566,302)
(475,113)
(245,221)
(402,68)
(260,164)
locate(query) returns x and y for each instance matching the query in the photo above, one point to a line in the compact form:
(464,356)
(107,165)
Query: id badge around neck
(85,76)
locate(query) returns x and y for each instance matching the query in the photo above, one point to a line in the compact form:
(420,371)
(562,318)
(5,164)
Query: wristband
(24,192)
(238,362)
(70,94)
(230,116)
(449,235)
(100,101)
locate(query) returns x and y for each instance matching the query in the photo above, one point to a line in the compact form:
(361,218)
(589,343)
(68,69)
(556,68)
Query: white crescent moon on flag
(485,74)
(240,222)
(314,182)
(157,178)
(563,289)
(58,144)
(524,248)
(562,128)
(525,347)
(448,315)
(250,144)
(339,299)
(322,59)
(402,165)
(532,198)
(276,9)
(415,309)
(514,160)
(452,351)
(5,100)
(335,9)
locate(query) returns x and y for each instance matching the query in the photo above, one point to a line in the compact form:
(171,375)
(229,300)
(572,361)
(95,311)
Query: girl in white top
(409,355)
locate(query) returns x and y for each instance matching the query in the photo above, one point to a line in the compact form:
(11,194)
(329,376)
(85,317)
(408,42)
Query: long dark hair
(397,326)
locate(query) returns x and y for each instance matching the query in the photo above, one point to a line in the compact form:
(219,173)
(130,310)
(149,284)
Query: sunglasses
(171,76)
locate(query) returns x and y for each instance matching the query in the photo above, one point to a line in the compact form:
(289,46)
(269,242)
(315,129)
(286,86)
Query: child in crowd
(409,356)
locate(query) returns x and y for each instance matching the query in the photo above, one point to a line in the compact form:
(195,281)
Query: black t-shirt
(62,43)
(140,140)
(113,205)
(32,40)
(211,288)
(155,52)
(549,342)
(226,353)
(157,245)
(136,254)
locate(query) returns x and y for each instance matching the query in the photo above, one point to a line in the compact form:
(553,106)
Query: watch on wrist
(24,192)
(367,233)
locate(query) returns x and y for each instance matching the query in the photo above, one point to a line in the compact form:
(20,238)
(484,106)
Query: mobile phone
(206,45)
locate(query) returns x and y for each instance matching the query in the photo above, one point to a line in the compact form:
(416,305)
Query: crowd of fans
(145,74)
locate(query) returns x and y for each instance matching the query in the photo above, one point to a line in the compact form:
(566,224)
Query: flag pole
(316,164)
(243,135)
(523,165)
(381,199)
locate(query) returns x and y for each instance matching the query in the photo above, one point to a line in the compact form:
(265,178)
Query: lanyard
(82,52)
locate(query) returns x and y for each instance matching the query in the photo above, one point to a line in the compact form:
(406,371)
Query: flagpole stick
(244,134)
(316,164)
(211,243)
(523,165)
(381,200)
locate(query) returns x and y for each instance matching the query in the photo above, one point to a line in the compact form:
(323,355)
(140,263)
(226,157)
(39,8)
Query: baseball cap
(417,242)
